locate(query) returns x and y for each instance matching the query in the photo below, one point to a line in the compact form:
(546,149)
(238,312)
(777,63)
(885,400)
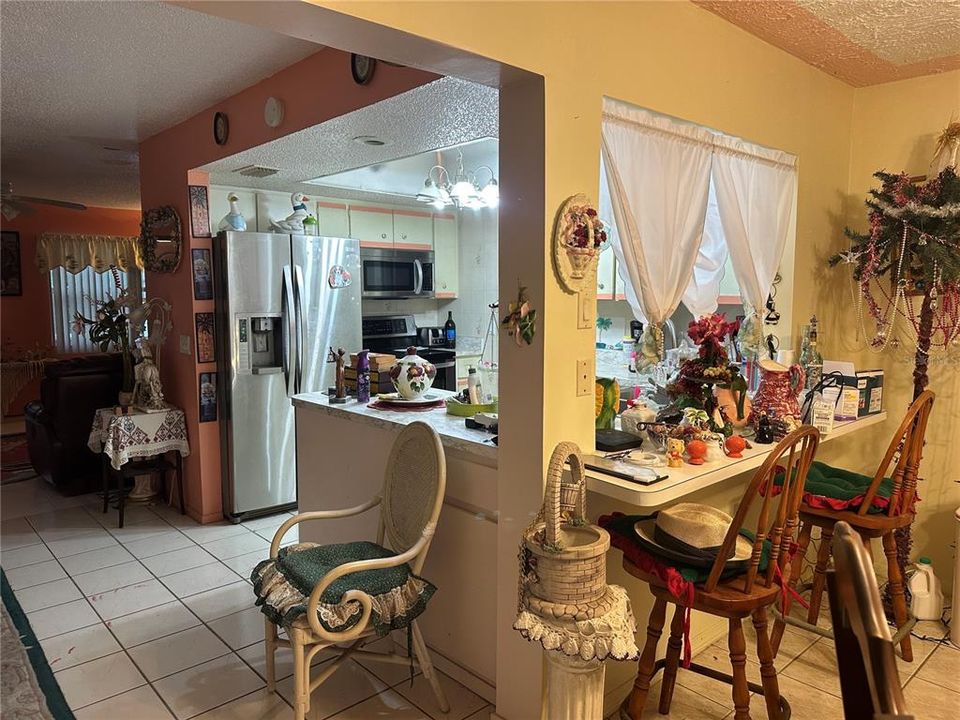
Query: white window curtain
(658,174)
(703,291)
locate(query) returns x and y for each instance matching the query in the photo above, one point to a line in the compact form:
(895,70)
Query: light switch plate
(585,380)
(185,344)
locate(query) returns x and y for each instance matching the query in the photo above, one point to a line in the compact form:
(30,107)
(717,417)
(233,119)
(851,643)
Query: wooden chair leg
(123,497)
(105,473)
(820,574)
(674,646)
(648,658)
(423,657)
(301,676)
(779,626)
(179,471)
(738,659)
(768,672)
(895,578)
(270,649)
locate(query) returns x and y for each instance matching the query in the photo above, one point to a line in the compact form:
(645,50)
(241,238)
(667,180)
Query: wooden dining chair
(778,484)
(353,593)
(874,507)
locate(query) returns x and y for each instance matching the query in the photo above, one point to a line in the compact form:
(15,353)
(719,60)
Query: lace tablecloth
(138,435)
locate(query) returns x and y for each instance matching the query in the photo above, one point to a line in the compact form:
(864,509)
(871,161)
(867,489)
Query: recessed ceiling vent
(257,171)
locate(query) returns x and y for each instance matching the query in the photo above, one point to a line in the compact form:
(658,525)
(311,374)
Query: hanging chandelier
(466,190)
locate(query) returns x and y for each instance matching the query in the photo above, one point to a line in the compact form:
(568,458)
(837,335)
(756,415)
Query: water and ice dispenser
(261,344)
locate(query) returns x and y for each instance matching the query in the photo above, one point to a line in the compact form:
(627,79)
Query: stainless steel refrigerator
(281,302)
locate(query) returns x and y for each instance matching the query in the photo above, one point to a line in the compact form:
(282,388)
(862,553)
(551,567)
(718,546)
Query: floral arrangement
(585,230)
(520,322)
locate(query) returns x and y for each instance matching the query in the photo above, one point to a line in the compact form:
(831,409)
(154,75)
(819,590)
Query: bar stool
(732,595)
(874,507)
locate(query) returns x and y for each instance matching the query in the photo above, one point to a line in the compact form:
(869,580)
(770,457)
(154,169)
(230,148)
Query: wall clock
(273,112)
(221,128)
(362,68)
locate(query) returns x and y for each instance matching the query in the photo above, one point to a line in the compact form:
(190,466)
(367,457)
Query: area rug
(28,689)
(15,459)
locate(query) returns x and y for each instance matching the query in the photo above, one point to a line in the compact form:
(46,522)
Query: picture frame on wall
(199,211)
(208,397)
(11,280)
(202,274)
(206,347)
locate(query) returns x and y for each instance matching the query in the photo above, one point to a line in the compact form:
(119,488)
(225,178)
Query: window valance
(75,252)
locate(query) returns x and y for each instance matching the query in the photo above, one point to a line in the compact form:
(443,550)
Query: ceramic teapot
(778,389)
(412,376)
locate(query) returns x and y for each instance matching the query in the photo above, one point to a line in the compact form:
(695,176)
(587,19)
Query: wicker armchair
(409,505)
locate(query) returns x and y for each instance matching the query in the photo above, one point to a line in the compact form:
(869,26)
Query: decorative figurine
(336,357)
(293,223)
(363,376)
(764,434)
(147,390)
(234,219)
(696,450)
(674,452)
(735,445)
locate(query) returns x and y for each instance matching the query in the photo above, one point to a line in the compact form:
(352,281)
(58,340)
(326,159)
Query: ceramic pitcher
(778,390)
(412,376)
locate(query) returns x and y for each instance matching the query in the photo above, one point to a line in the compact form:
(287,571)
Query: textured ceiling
(77,77)
(442,114)
(863,42)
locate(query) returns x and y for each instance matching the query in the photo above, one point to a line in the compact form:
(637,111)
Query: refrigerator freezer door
(258,441)
(328,298)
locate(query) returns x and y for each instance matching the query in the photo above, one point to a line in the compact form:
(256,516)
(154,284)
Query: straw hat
(691,534)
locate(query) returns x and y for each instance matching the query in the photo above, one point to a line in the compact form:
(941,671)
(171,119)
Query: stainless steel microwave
(389,273)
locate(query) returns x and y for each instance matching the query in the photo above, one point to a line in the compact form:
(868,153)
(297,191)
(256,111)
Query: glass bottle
(810,358)
(450,331)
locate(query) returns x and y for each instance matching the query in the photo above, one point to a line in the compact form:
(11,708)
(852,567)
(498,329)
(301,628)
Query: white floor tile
(62,618)
(178,560)
(462,701)
(109,578)
(485,712)
(199,579)
(201,534)
(222,601)
(283,660)
(47,595)
(163,543)
(270,521)
(243,565)
(132,515)
(387,704)
(942,668)
(197,689)
(96,559)
(349,685)
(170,654)
(240,629)
(79,646)
(91,540)
(139,704)
(21,556)
(98,679)
(931,702)
(237,545)
(60,524)
(146,625)
(17,533)
(130,599)
(131,532)
(290,536)
(29,575)
(258,705)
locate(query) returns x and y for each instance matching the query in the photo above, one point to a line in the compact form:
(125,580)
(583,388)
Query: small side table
(134,445)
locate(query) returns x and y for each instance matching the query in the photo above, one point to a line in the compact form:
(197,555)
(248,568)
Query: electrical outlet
(585,381)
(185,344)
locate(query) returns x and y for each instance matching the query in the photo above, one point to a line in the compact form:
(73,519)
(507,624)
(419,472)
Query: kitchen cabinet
(412,230)
(606,274)
(446,252)
(372,226)
(333,218)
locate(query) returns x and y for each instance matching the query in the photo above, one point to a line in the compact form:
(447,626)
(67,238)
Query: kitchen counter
(453,433)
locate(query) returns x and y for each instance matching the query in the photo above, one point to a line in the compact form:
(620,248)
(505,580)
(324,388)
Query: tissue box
(870,392)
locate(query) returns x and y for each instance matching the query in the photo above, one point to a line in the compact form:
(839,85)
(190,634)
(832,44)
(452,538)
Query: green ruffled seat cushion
(283,587)
(838,489)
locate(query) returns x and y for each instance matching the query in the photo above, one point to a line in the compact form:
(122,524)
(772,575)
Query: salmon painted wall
(313,90)
(25,322)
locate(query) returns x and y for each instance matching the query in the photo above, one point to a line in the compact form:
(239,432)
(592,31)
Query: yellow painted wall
(894,127)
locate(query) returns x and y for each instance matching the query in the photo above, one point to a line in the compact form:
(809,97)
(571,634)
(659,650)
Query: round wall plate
(221,128)
(273,112)
(362,68)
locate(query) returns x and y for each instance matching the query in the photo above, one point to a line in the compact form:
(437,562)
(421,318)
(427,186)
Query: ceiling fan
(12,205)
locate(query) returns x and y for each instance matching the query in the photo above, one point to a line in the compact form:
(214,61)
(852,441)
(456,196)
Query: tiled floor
(156,621)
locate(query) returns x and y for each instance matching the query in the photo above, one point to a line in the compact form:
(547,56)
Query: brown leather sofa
(58,425)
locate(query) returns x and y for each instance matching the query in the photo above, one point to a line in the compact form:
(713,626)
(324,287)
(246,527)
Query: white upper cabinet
(606,271)
(372,226)
(446,260)
(412,230)
(333,218)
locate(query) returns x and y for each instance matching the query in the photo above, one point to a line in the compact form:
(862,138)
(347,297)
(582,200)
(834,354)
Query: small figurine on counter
(735,445)
(674,453)
(148,392)
(764,434)
(336,357)
(696,450)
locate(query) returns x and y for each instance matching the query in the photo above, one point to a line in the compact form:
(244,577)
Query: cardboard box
(870,390)
(846,396)
(378,361)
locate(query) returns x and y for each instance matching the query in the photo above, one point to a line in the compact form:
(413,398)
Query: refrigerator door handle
(289,331)
(418,281)
(298,319)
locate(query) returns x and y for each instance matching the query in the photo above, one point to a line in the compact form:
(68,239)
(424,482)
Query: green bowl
(467,410)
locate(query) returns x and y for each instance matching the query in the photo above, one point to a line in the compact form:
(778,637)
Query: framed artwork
(11,282)
(202,274)
(208,397)
(199,211)
(206,349)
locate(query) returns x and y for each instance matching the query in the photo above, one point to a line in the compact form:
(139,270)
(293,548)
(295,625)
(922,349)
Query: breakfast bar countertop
(453,433)
(688,479)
